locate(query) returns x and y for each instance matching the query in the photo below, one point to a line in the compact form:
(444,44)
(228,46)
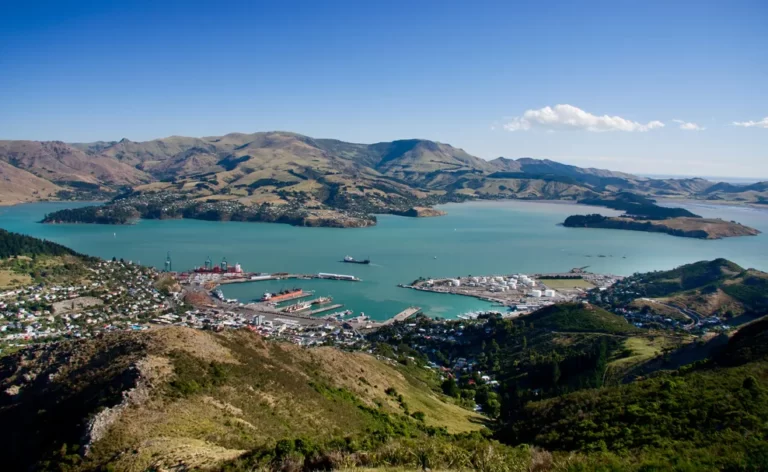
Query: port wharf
(257,277)
(362,322)
(521,293)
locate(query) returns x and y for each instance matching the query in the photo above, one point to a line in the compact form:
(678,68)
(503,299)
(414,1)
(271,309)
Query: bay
(473,238)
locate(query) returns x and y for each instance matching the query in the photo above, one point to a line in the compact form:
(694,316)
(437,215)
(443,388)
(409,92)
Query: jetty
(402,316)
(218,279)
(368,324)
(324,309)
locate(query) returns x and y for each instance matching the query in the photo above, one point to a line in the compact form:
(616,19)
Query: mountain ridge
(312,178)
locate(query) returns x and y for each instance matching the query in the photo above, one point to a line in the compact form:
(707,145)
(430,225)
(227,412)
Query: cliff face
(700,228)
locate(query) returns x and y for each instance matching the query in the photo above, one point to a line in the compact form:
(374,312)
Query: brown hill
(171,396)
(283,168)
(18,186)
(61,163)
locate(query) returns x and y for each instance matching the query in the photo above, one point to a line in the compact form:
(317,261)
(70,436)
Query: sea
(475,238)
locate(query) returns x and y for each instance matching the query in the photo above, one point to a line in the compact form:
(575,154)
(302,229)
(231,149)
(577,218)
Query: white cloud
(567,117)
(687,126)
(753,124)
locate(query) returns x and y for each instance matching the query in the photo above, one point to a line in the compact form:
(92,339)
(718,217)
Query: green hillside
(707,417)
(717,288)
(14,244)
(579,317)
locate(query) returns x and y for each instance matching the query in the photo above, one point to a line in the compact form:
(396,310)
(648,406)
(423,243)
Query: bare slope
(18,186)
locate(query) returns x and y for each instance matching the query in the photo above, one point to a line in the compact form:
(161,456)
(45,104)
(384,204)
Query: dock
(281,276)
(316,301)
(296,297)
(323,309)
(402,316)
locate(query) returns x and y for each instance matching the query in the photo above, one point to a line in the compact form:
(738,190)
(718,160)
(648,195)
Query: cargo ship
(297,307)
(321,300)
(352,260)
(282,295)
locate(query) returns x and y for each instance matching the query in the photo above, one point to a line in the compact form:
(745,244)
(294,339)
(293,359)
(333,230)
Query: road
(695,317)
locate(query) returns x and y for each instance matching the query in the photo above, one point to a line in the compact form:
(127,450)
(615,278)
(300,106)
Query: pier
(298,296)
(284,276)
(324,309)
(402,316)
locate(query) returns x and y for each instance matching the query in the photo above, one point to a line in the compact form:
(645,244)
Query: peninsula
(642,214)
(700,228)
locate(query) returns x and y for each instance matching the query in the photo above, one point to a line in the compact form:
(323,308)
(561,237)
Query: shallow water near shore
(476,238)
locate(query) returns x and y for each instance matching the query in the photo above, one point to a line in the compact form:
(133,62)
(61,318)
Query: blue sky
(484,76)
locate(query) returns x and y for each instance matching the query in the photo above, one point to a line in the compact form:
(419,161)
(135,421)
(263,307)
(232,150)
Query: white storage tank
(549,293)
(456,282)
(536,293)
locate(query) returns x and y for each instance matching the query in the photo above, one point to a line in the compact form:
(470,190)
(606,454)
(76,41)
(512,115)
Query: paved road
(694,317)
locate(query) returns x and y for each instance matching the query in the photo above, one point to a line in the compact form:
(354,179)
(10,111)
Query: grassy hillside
(579,317)
(705,417)
(25,260)
(201,398)
(717,288)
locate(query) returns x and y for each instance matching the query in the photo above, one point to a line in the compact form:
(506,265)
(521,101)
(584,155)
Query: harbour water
(473,238)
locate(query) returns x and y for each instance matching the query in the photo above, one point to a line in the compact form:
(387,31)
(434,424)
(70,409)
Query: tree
(450,388)
(492,408)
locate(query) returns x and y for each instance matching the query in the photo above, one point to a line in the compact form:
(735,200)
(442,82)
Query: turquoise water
(473,238)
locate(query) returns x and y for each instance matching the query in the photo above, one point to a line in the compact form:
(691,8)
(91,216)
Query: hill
(579,317)
(643,214)
(287,177)
(686,227)
(703,417)
(717,289)
(139,400)
(15,244)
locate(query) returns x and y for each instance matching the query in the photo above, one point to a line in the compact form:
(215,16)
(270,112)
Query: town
(121,295)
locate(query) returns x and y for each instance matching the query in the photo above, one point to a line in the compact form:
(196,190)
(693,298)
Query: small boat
(352,260)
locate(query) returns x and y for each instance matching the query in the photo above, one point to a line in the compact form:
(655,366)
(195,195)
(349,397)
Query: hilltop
(713,290)
(579,317)
(290,178)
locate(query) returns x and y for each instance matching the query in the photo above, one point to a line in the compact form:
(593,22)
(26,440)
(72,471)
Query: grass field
(640,349)
(559,284)
(10,279)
